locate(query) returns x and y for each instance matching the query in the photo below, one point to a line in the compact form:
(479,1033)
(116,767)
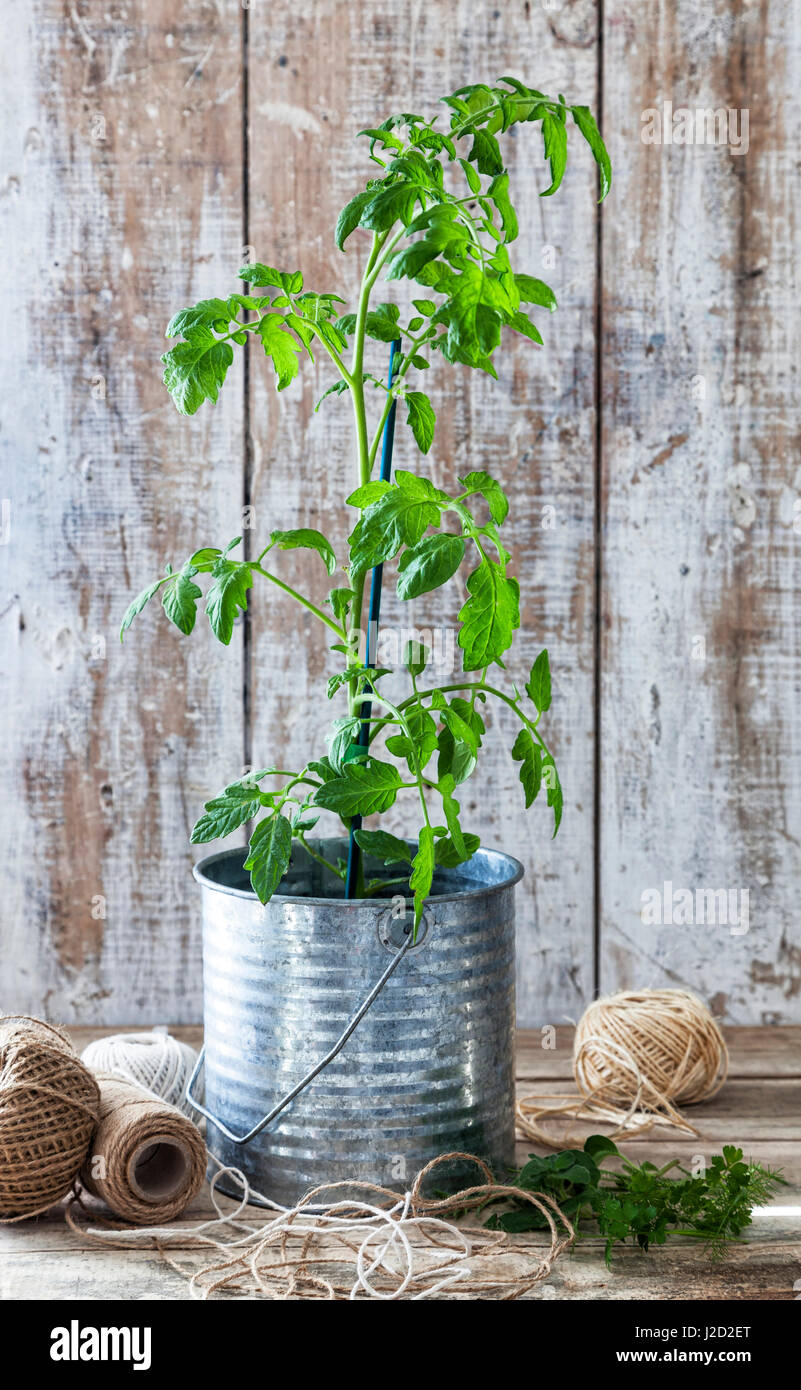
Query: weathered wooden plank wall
(121,169)
(701,666)
(147,144)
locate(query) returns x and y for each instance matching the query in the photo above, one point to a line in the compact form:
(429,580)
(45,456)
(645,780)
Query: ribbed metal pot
(429,1069)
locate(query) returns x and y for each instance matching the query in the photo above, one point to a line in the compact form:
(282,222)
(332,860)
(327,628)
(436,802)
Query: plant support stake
(354,854)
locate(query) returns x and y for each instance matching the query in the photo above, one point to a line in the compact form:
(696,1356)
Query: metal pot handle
(309,1077)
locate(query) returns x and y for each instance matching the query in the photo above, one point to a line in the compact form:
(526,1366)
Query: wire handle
(309,1077)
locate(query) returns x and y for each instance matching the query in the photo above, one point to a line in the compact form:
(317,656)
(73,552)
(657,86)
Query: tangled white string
(388,1265)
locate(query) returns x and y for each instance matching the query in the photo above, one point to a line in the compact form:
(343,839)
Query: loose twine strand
(396,1247)
(636,1057)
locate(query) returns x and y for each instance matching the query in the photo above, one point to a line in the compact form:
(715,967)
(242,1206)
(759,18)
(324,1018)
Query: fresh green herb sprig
(438,213)
(641,1202)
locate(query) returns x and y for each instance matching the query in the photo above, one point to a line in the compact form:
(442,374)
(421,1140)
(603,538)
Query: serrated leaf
(462,731)
(195,370)
(534,291)
(342,733)
(368,493)
(383,846)
(446,854)
(135,608)
(306,538)
(338,388)
(208,555)
(179,599)
(422,741)
(261,275)
(489,616)
(538,686)
(485,153)
(349,217)
(454,757)
(585,121)
(498,191)
(527,752)
(363,789)
(399,517)
(550,776)
(224,813)
(422,874)
(227,596)
(339,600)
(421,419)
(521,323)
(280,347)
(555,139)
(492,492)
(270,851)
(451,809)
(427,565)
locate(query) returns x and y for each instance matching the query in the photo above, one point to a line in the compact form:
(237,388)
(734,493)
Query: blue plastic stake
(372,622)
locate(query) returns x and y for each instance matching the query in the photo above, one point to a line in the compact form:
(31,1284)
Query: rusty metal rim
(516,872)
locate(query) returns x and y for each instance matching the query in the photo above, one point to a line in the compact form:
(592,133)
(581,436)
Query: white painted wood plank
(121,159)
(700,668)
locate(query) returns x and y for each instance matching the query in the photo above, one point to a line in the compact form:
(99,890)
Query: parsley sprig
(641,1202)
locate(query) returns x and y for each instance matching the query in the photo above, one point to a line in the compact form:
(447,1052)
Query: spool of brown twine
(48,1108)
(146,1160)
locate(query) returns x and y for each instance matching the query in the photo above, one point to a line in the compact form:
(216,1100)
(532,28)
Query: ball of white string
(156,1061)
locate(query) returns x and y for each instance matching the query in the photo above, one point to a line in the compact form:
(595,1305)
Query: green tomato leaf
(550,776)
(586,123)
(340,600)
(492,492)
(307,539)
(227,596)
(383,846)
(270,852)
(448,857)
(421,418)
(180,597)
(415,657)
(538,686)
(363,788)
(280,347)
(342,734)
(489,616)
(422,873)
(432,562)
(233,807)
(498,191)
(368,493)
(527,752)
(555,139)
(135,608)
(350,215)
(399,517)
(533,291)
(455,758)
(195,370)
(451,808)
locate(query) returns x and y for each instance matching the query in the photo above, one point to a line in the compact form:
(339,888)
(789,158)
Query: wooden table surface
(758,1109)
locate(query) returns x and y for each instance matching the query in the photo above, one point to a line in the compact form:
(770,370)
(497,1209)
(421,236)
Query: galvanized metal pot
(430,1067)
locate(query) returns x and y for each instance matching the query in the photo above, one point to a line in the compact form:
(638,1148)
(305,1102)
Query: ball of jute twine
(146,1160)
(155,1060)
(637,1056)
(368,1243)
(48,1109)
